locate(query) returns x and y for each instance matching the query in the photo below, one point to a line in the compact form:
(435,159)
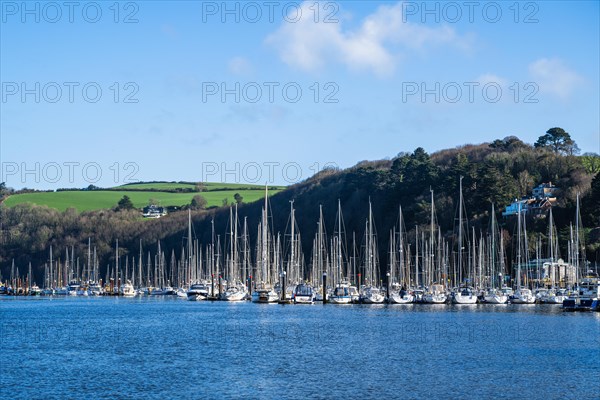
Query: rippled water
(167,348)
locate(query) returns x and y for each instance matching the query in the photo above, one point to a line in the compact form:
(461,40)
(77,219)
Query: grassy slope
(85,201)
(209,186)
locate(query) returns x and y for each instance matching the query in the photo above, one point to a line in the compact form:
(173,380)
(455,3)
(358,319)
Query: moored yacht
(303,294)
(495,296)
(341,295)
(402,296)
(556,297)
(586,297)
(435,295)
(265,294)
(522,296)
(127,289)
(237,292)
(372,295)
(198,291)
(464,295)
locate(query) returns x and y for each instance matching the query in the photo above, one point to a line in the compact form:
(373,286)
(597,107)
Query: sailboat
(402,295)
(264,291)
(586,296)
(464,294)
(522,295)
(341,292)
(304,294)
(436,293)
(236,290)
(127,289)
(370,293)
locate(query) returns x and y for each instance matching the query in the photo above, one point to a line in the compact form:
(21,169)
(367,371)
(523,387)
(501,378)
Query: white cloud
(554,78)
(491,78)
(375,45)
(239,66)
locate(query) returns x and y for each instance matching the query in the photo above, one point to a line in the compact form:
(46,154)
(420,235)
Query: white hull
(523,300)
(339,299)
(460,299)
(406,299)
(373,299)
(303,300)
(435,298)
(556,299)
(496,298)
(234,296)
(196,297)
(265,297)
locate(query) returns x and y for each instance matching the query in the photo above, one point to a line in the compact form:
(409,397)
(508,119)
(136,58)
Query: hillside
(141,194)
(495,173)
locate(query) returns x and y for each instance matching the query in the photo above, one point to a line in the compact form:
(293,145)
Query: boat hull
(496,299)
(303,299)
(435,298)
(234,296)
(339,299)
(406,299)
(460,299)
(265,297)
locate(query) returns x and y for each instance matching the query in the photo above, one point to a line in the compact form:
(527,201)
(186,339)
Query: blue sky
(376,78)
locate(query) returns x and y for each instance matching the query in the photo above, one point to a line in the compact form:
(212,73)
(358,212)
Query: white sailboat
(341,293)
(399,295)
(436,292)
(235,290)
(464,294)
(264,291)
(522,295)
(127,289)
(494,295)
(370,293)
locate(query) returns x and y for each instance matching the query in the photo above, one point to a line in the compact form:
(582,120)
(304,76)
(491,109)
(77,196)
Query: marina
(441,271)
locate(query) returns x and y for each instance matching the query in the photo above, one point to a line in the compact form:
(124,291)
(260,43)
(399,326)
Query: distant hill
(166,194)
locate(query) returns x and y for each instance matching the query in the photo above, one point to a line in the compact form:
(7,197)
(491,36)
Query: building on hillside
(545,190)
(543,198)
(154,211)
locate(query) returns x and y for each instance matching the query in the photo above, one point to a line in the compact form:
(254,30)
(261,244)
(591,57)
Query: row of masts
(432,259)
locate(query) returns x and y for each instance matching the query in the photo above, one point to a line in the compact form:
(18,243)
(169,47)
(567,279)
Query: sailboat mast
(519,248)
(417,256)
(292,249)
(264,236)
(577,243)
(431,240)
(339,242)
(460,232)
(189,249)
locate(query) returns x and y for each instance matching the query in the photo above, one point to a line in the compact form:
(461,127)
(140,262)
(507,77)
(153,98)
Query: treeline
(493,173)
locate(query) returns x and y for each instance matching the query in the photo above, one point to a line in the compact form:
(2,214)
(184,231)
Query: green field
(95,200)
(208,185)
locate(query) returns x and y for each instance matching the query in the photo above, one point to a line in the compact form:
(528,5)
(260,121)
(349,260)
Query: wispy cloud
(491,78)
(239,66)
(377,45)
(554,77)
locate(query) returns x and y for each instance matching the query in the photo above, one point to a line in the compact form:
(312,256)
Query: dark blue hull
(581,305)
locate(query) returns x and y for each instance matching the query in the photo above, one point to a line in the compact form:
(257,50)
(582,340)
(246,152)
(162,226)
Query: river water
(170,348)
